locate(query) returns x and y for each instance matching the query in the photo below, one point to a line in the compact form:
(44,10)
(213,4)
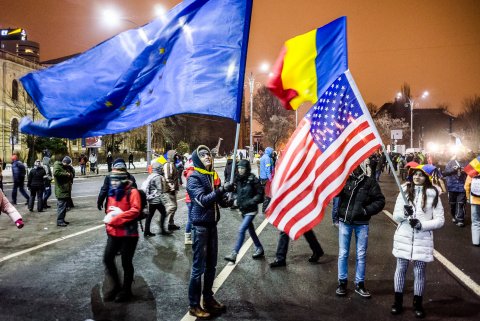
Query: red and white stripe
(306,179)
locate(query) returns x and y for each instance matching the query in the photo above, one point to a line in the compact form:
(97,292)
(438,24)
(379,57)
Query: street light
(251,81)
(411,102)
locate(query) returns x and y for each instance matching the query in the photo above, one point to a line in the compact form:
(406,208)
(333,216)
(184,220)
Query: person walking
(472,189)
(47,181)
(119,165)
(109,161)
(203,187)
(282,249)
(413,239)
(63,188)
(18,172)
(455,176)
(130,161)
(121,223)
(7,208)
(169,197)
(36,185)
(249,194)
(154,197)
(360,199)
(266,170)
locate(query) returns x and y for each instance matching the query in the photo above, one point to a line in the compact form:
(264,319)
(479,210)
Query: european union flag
(190,61)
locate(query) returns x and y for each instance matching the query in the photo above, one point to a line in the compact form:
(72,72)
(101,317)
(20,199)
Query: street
(52,273)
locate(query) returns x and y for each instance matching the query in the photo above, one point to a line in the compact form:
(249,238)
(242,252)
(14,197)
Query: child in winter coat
(10,210)
(249,194)
(123,209)
(413,239)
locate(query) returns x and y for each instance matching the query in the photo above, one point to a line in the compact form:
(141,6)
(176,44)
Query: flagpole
(237,134)
(374,128)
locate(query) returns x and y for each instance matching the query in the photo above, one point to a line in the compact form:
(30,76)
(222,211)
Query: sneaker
(461,224)
(188,239)
(341,289)
(232,257)
(360,289)
(198,312)
(454,221)
(278,263)
(259,253)
(62,224)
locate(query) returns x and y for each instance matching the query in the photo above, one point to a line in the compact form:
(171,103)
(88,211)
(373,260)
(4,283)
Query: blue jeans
(205,253)
(361,242)
(247,225)
(19,186)
(335,206)
(475,224)
(188,226)
(46,194)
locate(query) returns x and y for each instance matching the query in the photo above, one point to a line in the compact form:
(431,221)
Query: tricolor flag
(192,60)
(473,168)
(333,138)
(308,63)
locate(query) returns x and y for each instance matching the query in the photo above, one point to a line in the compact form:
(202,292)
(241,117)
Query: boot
(110,295)
(198,312)
(212,306)
(232,257)
(397,306)
(342,288)
(417,306)
(188,239)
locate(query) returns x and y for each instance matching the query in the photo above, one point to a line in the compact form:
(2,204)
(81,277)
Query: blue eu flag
(190,61)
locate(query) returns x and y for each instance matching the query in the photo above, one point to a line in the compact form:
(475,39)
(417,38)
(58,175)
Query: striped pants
(418,273)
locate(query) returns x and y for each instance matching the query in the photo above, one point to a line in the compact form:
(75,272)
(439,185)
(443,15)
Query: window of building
(14,127)
(15,90)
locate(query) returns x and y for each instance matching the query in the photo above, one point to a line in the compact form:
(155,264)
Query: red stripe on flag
(275,83)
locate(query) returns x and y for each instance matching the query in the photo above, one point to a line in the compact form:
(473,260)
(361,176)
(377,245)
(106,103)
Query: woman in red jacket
(123,209)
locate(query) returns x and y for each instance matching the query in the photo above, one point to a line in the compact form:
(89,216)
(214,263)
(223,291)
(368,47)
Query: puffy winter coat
(155,187)
(473,199)
(249,193)
(266,164)
(36,178)
(18,171)
(204,198)
(359,200)
(125,224)
(410,243)
(455,182)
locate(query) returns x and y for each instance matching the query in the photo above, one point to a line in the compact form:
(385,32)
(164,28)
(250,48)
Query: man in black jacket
(360,198)
(36,185)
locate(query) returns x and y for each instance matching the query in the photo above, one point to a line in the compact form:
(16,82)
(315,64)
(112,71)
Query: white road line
(462,277)
(223,275)
(49,243)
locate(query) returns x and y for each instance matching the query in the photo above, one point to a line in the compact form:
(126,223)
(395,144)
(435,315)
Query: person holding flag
(472,189)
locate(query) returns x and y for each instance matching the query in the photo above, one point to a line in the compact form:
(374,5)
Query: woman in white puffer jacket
(413,239)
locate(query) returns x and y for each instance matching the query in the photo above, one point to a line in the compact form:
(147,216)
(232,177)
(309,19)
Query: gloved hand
(99,206)
(415,223)
(407,210)
(228,187)
(19,223)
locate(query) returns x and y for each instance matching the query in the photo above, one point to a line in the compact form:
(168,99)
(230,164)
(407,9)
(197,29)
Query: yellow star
(161,51)
(137,103)
(108,104)
(122,108)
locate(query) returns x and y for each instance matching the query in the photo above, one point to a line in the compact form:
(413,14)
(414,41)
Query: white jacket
(412,244)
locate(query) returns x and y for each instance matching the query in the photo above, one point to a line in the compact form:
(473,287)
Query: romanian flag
(309,63)
(473,168)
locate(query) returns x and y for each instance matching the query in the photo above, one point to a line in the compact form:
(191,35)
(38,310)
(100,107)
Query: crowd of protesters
(418,211)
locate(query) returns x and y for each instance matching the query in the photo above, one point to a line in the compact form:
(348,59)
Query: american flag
(334,137)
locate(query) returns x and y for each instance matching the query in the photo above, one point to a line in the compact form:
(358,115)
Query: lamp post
(411,102)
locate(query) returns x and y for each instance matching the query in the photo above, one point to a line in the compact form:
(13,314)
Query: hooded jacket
(125,224)
(63,180)
(249,190)
(360,199)
(266,164)
(36,177)
(170,173)
(455,182)
(202,187)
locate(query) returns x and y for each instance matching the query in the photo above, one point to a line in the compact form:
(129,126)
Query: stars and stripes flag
(333,138)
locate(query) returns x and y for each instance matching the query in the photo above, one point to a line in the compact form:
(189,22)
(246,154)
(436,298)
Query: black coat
(249,193)
(359,200)
(36,178)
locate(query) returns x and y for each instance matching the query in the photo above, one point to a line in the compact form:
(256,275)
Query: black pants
(282,247)
(36,191)
(457,202)
(131,163)
(126,245)
(151,211)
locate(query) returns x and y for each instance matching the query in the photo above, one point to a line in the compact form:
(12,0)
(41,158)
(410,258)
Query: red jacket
(125,224)
(187,172)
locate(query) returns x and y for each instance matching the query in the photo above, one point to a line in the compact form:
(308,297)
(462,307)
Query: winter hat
(428,170)
(67,160)
(119,164)
(196,159)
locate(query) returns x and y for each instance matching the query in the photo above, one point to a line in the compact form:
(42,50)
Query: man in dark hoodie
(36,185)
(360,199)
(203,187)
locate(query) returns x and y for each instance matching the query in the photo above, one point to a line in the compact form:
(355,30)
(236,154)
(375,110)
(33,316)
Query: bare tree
(385,123)
(267,105)
(470,119)
(278,131)
(372,108)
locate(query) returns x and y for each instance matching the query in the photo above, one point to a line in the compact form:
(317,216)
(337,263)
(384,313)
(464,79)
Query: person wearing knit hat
(170,173)
(155,198)
(119,165)
(47,181)
(36,185)
(63,177)
(18,172)
(203,188)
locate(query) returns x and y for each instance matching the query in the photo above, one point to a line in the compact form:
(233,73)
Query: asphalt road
(51,273)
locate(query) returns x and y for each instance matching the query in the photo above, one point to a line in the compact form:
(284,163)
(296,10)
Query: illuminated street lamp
(251,81)
(411,102)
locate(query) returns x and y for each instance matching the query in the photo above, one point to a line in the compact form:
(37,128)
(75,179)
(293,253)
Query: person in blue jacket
(266,171)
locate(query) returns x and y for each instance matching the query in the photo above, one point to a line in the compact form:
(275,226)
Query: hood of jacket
(269,151)
(171,155)
(196,159)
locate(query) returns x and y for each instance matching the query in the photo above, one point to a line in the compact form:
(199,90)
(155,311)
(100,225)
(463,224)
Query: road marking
(223,275)
(457,273)
(49,243)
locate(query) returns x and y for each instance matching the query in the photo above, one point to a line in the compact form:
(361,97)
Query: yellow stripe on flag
(299,71)
(475,164)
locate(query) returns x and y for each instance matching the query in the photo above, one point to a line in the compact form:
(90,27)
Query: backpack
(145,188)
(475,186)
